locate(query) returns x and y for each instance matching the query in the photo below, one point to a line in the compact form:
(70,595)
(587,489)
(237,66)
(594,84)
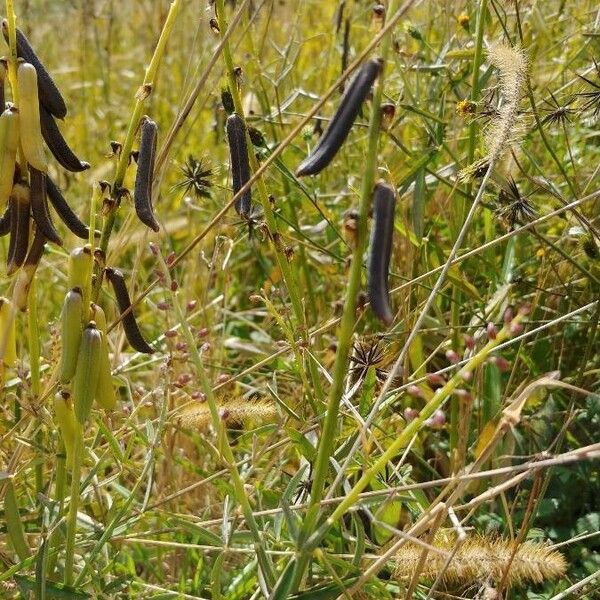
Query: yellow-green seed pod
(65,419)
(105,392)
(9,143)
(8,338)
(32,141)
(80,267)
(71,319)
(87,371)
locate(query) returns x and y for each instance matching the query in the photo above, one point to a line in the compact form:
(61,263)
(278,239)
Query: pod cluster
(25,189)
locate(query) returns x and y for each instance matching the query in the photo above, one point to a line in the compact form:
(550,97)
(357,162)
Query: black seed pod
(39,206)
(240,167)
(227,100)
(339,127)
(143,180)
(57,144)
(19,227)
(132,331)
(49,94)
(69,218)
(5,221)
(380,251)
(36,250)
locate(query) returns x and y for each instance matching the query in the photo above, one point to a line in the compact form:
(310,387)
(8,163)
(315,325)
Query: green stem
(59,498)
(73,506)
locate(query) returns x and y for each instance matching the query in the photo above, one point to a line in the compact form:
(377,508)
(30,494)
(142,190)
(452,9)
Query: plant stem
(73,506)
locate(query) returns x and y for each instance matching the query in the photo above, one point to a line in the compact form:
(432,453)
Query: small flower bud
(491,331)
(170,333)
(223,378)
(452,357)
(437,419)
(410,414)
(414,390)
(435,380)
(508,315)
(470,342)
(515,328)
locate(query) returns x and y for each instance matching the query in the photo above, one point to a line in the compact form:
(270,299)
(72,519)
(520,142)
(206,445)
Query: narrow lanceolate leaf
(14,525)
(29,123)
(132,330)
(343,119)
(50,96)
(64,211)
(105,392)
(70,334)
(80,267)
(64,415)
(9,140)
(19,227)
(87,371)
(58,145)
(8,337)
(5,222)
(240,167)
(145,170)
(39,206)
(380,251)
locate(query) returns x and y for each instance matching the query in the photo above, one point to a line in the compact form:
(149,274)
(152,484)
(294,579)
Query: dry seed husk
(130,326)
(240,167)
(85,381)
(49,93)
(64,211)
(39,206)
(380,251)
(19,227)
(58,145)
(143,180)
(9,132)
(339,127)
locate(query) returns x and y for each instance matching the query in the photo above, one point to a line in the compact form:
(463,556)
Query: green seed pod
(29,123)
(71,319)
(80,267)
(69,218)
(143,180)
(85,382)
(8,337)
(19,227)
(9,144)
(39,206)
(105,392)
(67,424)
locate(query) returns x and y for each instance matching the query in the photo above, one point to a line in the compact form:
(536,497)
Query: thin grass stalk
(73,506)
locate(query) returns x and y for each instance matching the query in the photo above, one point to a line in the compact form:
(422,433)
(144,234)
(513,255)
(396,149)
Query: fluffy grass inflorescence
(233,411)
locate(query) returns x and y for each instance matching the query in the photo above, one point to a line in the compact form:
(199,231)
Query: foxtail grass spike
(130,326)
(49,94)
(380,251)
(143,180)
(85,381)
(63,210)
(105,391)
(343,119)
(39,206)
(8,336)
(70,334)
(58,145)
(240,166)
(29,122)
(5,222)
(9,144)
(19,227)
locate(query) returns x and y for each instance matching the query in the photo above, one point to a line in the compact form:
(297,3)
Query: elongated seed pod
(70,334)
(142,195)
(105,392)
(29,123)
(39,206)
(65,419)
(380,251)
(58,145)
(19,227)
(26,274)
(69,218)
(2,80)
(5,222)
(240,167)
(50,96)
(9,132)
(8,336)
(339,127)
(81,262)
(130,326)
(85,381)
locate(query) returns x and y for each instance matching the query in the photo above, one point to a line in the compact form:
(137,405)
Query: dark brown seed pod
(5,221)
(39,206)
(240,167)
(380,251)
(132,330)
(339,127)
(19,227)
(36,250)
(57,144)
(49,94)
(69,218)
(142,194)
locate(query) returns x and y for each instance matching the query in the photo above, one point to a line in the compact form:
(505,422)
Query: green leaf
(14,525)
(54,591)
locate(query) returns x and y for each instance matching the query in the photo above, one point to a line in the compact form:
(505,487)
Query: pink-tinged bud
(191,305)
(410,414)
(437,419)
(452,356)
(223,378)
(170,333)
(414,390)
(470,342)
(163,305)
(491,331)
(154,249)
(525,309)
(199,396)
(203,332)
(181,346)
(515,328)
(255,298)
(463,394)
(466,375)
(500,362)
(508,315)
(171,258)
(435,380)
(174,286)
(224,414)
(205,347)
(184,378)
